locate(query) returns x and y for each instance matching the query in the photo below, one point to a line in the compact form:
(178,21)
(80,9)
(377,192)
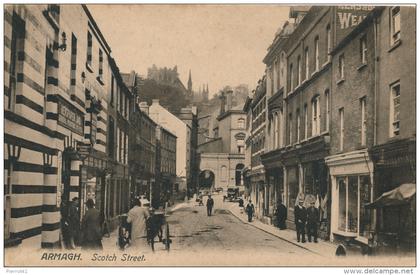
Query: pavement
(322,248)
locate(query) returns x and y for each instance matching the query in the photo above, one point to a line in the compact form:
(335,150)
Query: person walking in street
(312,226)
(209,204)
(281,215)
(91,227)
(249,209)
(73,220)
(300,220)
(138,216)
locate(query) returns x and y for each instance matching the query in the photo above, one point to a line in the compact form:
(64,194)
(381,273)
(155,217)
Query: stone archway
(206,179)
(238,174)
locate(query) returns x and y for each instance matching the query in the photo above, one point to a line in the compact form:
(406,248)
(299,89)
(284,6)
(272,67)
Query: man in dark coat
(249,209)
(281,215)
(312,226)
(73,219)
(210,203)
(300,220)
(91,227)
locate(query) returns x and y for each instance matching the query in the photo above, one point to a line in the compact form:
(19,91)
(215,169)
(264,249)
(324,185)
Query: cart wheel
(168,240)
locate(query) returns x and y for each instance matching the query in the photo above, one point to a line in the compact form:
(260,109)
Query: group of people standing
(306,218)
(88,233)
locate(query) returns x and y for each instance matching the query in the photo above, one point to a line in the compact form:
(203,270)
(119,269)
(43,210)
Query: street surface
(193,231)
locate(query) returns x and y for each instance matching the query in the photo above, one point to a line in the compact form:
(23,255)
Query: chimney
(222,102)
(229,100)
(144,107)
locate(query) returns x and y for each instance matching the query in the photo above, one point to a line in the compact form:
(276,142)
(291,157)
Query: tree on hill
(172,98)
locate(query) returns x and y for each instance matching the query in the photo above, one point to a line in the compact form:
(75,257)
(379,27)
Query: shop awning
(398,196)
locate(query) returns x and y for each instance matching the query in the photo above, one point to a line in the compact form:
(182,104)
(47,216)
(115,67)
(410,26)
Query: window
(395,24)
(305,122)
(290,129)
(328,41)
(101,62)
(17,45)
(341,115)
(354,192)
(306,63)
(363,50)
(241,123)
(327,110)
(73,64)
(291,77)
(317,53)
(341,66)
(299,72)
(112,90)
(363,121)
(297,126)
(89,51)
(240,143)
(394,111)
(316,116)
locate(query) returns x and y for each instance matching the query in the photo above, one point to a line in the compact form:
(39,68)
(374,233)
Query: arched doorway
(206,179)
(238,174)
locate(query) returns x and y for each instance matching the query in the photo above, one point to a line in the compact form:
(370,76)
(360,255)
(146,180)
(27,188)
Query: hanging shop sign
(93,127)
(70,117)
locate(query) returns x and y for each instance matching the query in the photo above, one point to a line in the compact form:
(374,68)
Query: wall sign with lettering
(348,17)
(70,117)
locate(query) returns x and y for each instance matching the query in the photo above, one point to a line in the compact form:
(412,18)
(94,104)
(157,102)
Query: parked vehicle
(232,193)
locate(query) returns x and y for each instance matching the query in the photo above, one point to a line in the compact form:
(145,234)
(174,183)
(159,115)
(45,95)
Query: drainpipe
(376,60)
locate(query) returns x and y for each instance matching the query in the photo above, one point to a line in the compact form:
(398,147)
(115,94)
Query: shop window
(354,192)
(293,186)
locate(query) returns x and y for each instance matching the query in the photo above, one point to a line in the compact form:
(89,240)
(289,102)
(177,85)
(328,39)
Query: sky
(221,44)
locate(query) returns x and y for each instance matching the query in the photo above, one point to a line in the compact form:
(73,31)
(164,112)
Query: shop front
(352,188)
(395,165)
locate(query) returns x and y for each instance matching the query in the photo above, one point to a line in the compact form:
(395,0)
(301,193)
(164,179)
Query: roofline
(95,25)
(227,113)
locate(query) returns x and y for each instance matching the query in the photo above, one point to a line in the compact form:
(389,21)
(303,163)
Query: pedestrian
(209,204)
(65,231)
(300,220)
(281,215)
(73,219)
(138,216)
(249,209)
(312,226)
(91,227)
